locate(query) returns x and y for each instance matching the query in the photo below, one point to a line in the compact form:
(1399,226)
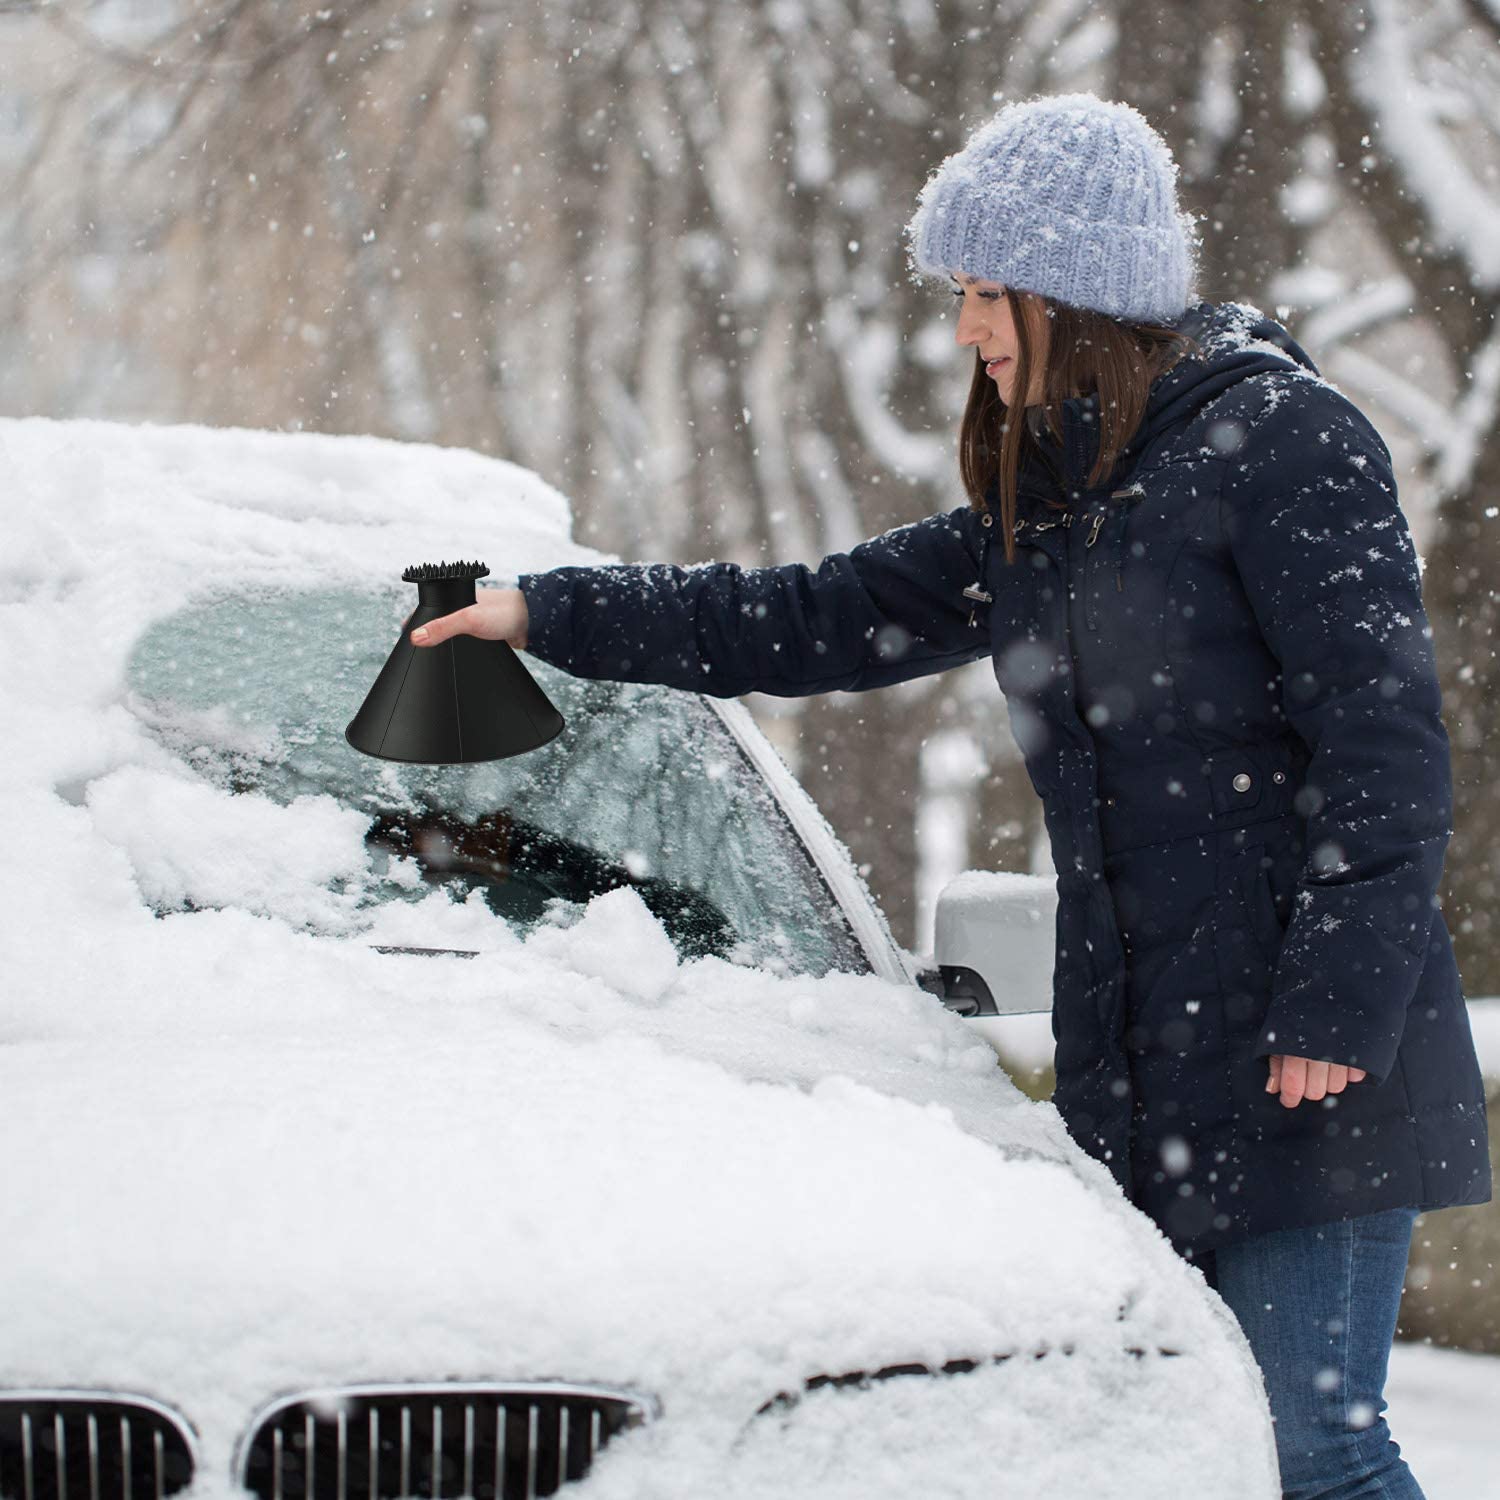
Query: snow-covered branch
(1368,307)
(1426,418)
(1473,420)
(1459,207)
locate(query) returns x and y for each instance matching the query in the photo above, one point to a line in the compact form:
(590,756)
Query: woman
(1206,619)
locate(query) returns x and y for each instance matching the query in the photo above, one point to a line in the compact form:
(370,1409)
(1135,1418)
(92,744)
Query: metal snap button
(1278,777)
(1242,782)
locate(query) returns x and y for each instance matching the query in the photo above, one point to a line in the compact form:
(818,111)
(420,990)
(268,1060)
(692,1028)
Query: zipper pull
(1094,529)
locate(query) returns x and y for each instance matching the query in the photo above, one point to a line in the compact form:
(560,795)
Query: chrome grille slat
(405,1450)
(83,1445)
(93,1457)
(60,1454)
(532,1420)
(500,1451)
(446,1442)
(468,1479)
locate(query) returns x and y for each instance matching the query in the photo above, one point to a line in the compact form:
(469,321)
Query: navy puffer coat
(1219,670)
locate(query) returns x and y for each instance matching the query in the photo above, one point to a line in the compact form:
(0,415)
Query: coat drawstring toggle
(976,590)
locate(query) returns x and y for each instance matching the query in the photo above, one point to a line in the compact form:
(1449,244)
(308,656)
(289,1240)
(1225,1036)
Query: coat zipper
(1097,519)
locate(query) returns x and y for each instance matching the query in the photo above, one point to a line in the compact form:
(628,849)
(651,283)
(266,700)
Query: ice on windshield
(644,787)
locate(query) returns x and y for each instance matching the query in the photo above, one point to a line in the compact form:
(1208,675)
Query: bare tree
(653,249)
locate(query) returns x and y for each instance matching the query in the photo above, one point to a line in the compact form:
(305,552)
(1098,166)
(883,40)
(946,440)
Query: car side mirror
(994,943)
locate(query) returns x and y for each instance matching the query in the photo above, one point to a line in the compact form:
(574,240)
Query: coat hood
(1234,341)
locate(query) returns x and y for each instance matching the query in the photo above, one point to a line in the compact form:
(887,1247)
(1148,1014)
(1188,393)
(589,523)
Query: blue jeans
(1319,1309)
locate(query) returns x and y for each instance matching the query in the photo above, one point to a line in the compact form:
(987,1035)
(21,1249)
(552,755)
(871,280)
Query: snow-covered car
(375,1130)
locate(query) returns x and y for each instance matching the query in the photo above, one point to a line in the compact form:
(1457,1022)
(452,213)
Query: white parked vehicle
(373,1130)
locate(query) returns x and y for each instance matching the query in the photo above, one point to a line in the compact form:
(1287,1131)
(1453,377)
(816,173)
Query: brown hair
(1086,351)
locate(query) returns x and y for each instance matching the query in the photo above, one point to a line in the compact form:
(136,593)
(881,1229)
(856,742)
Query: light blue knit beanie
(1068,195)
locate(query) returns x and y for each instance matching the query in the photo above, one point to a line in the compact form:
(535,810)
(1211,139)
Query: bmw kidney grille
(81,1445)
(513,1442)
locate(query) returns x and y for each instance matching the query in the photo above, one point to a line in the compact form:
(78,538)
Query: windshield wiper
(430,952)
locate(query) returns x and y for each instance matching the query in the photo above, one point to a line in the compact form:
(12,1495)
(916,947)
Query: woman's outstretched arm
(889,609)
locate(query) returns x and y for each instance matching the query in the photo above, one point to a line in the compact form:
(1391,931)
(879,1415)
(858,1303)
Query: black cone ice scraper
(464,700)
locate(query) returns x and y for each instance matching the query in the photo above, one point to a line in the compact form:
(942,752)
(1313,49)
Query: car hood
(254,1161)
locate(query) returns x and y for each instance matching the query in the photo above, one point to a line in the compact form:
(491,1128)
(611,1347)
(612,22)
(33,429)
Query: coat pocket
(1267,902)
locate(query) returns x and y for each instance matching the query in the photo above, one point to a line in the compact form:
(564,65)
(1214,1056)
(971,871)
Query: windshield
(644,787)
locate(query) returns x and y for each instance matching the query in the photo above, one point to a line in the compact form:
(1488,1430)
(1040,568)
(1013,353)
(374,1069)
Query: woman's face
(984,321)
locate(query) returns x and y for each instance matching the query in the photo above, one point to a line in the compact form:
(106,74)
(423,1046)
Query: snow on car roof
(242,1158)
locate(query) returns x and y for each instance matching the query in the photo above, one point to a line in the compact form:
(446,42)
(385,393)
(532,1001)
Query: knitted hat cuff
(1105,258)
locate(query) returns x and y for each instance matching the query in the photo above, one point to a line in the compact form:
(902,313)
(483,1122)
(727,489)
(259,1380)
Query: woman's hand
(1299,1078)
(496,615)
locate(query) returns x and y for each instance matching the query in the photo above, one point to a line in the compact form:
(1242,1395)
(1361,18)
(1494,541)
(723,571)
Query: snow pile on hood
(242,1159)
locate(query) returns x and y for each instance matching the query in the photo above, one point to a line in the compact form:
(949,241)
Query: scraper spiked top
(461,701)
(437,572)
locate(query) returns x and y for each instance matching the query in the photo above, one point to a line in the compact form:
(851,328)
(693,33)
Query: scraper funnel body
(464,700)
